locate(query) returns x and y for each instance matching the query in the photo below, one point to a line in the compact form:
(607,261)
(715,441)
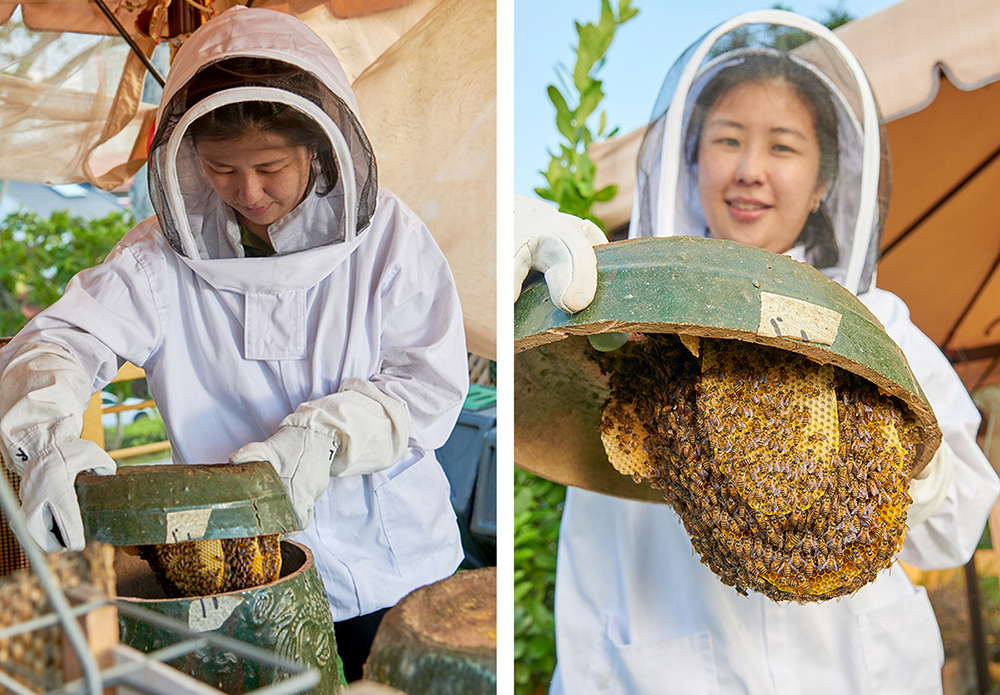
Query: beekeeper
(782,150)
(284,308)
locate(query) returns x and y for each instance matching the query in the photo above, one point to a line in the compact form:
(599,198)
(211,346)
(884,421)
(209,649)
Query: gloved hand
(929,488)
(48,497)
(355,431)
(302,458)
(559,245)
(43,393)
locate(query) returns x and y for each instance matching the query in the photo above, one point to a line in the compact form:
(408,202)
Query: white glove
(302,458)
(355,431)
(559,245)
(43,393)
(930,487)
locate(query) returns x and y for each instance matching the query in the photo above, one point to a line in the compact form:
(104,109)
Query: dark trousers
(354,641)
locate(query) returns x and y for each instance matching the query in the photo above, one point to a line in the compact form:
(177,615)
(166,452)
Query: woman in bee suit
(782,150)
(284,308)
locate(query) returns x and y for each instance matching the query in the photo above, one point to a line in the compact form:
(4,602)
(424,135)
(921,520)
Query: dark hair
(240,118)
(817,234)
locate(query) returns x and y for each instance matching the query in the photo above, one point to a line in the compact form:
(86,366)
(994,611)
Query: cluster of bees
(206,567)
(790,477)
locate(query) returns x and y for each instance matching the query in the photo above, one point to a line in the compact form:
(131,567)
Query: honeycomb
(34,657)
(202,568)
(790,477)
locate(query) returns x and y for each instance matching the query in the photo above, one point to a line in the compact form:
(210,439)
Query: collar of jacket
(286,273)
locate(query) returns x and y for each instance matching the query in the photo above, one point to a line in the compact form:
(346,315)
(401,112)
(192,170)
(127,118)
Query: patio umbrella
(424,71)
(934,66)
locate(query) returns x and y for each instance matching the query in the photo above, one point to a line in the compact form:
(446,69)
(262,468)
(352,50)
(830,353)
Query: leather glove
(355,431)
(302,458)
(43,393)
(559,245)
(931,486)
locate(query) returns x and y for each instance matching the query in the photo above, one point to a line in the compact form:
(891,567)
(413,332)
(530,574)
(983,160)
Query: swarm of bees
(206,567)
(790,477)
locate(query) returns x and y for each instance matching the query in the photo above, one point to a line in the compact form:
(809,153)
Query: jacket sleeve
(414,398)
(948,537)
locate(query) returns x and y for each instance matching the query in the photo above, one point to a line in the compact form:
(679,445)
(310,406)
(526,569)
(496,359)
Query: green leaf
(558,100)
(523,500)
(520,591)
(589,99)
(606,193)
(545,562)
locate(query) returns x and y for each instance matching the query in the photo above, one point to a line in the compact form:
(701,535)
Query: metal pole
(976,625)
(130,41)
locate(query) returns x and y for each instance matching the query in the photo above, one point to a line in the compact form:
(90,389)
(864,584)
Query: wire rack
(133,672)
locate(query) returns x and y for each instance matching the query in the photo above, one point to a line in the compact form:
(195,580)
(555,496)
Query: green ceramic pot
(171,503)
(143,505)
(289,617)
(689,286)
(440,639)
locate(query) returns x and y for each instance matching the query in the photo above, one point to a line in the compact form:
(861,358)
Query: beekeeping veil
(301,72)
(853,208)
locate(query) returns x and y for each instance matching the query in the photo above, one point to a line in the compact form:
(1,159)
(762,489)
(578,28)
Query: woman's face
(260,175)
(758,166)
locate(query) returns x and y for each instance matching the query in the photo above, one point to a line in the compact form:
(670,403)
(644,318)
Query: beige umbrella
(424,72)
(934,66)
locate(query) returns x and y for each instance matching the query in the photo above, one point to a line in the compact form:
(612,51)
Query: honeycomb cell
(202,568)
(791,478)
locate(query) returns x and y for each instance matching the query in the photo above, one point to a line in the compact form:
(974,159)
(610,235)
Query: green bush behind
(538,505)
(144,431)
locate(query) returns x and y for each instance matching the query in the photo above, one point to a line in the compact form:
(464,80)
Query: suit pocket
(902,647)
(416,513)
(664,667)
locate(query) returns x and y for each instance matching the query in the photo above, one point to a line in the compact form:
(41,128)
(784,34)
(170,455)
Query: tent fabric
(435,141)
(107,129)
(70,110)
(900,47)
(424,72)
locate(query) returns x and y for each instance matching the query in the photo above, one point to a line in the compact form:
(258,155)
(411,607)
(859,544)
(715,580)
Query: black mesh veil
(203,209)
(824,73)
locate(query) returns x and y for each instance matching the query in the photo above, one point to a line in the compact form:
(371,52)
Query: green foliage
(781,38)
(836,16)
(571,172)
(538,506)
(538,503)
(39,256)
(142,431)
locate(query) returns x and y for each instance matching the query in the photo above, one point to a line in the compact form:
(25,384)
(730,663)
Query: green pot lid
(142,505)
(685,285)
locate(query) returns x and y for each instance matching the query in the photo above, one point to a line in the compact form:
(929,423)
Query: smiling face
(758,165)
(260,175)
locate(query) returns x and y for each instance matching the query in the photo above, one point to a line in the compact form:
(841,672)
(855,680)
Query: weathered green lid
(685,285)
(142,505)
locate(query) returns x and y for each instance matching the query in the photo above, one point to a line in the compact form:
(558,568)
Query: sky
(642,52)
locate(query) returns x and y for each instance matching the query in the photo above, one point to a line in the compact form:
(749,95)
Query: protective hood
(816,66)
(194,219)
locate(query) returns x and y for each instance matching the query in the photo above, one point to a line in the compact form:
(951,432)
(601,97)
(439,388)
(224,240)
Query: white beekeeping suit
(636,610)
(347,345)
